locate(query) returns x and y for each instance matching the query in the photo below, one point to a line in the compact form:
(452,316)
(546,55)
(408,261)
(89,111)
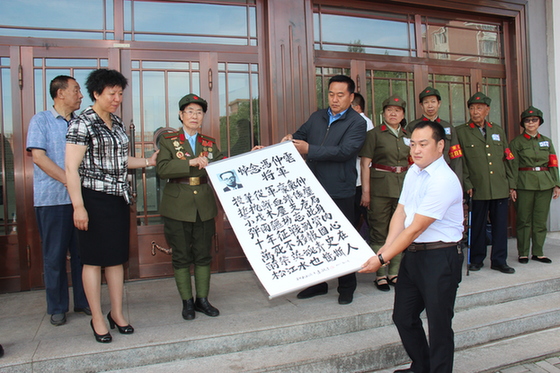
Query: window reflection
(239,107)
(56,18)
(462,41)
(389,37)
(190,22)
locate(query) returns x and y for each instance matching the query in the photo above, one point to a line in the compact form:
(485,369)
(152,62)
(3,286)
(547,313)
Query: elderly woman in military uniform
(535,170)
(188,204)
(384,162)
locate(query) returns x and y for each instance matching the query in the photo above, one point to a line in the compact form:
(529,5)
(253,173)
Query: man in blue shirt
(330,140)
(46,140)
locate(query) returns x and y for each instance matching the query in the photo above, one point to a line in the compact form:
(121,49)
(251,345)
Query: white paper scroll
(291,231)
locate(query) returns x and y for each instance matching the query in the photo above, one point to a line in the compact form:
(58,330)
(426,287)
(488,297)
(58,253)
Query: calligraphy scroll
(291,231)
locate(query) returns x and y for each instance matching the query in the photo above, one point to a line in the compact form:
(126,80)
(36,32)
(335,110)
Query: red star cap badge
(396,99)
(196,98)
(530,111)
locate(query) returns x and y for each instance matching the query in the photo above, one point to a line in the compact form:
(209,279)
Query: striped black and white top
(105,163)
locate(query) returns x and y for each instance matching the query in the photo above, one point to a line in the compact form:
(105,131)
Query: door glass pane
(157,87)
(322,76)
(7,190)
(455,91)
(46,69)
(239,107)
(382,84)
(494,88)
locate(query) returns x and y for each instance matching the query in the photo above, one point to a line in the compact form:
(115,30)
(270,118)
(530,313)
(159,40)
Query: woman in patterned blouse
(96,167)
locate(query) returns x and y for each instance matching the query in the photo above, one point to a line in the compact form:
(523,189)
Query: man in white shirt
(427,226)
(358,104)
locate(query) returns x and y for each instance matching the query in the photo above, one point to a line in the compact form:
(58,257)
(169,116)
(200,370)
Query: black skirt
(106,241)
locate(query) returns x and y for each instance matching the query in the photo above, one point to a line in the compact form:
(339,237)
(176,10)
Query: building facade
(263,66)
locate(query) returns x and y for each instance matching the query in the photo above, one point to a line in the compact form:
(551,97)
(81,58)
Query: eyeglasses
(530,120)
(193,113)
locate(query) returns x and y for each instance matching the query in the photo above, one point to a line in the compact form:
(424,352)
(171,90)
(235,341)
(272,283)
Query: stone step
(334,346)
(254,330)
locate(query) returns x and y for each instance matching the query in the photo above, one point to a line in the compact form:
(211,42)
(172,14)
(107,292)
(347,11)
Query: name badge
(406,141)
(544,144)
(447,130)
(496,136)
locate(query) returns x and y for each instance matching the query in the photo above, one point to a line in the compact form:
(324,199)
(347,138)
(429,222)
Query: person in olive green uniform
(188,204)
(384,161)
(430,100)
(487,178)
(535,175)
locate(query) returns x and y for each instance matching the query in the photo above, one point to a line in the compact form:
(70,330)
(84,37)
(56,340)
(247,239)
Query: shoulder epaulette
(207,138)
(171,135)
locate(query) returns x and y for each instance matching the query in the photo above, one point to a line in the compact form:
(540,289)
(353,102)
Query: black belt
(430,245)
(190,180)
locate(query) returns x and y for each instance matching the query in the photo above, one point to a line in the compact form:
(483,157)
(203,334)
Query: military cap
(394,100)
(479,98)
(429,91)
(531,111)
(191,98)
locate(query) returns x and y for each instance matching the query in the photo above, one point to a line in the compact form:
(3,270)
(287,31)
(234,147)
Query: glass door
(158,82)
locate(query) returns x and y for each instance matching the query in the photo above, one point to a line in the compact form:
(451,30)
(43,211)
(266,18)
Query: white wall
(544,61)
(553,57)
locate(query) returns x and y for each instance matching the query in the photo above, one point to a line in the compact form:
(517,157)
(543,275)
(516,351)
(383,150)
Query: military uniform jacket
(535,151)
(487,166)
(452,151)
(183,201)
(384,148)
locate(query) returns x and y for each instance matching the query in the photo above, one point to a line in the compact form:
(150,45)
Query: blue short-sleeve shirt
(47,131)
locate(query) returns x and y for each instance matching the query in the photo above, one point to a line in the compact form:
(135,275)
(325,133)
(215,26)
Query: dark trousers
(58,238)
(497,211)
(191,241)
(428,280)
(347,283)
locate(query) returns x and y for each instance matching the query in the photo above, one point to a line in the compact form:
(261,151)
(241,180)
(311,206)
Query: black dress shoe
(58,319)
(504,268)
(202,305)
(122,329)
(1,351)
(188,309)
(475,266)
(313,291)
(85,310)
(345,298)
(382,284)
(105,338)
(543,259)
(523,259)
(408,370)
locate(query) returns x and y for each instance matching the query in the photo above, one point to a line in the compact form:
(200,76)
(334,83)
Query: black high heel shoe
(105,338)
(122,329)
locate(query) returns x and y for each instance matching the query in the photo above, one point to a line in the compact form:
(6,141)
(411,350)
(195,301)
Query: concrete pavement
(153,307)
